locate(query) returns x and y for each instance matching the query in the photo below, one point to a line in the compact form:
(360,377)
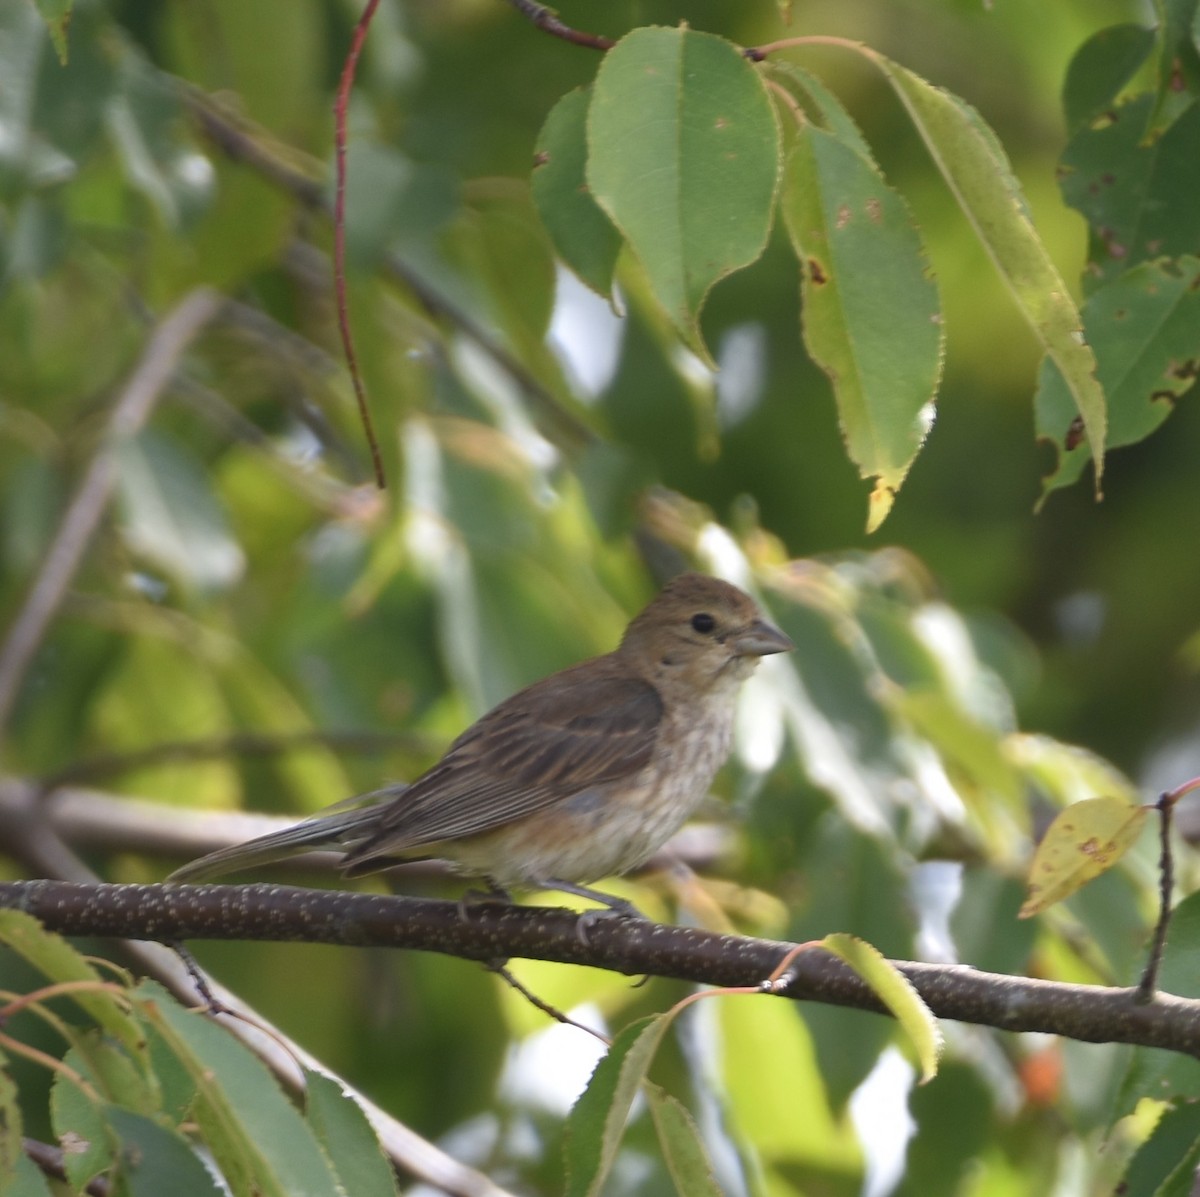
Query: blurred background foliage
(548,465)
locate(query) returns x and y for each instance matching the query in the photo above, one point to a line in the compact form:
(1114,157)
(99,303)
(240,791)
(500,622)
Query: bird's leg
(493,894)
(615,907)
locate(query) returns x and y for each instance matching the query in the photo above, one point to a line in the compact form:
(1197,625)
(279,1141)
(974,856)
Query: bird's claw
(617,908)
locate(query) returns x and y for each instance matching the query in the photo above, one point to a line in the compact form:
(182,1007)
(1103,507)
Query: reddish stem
(345,84)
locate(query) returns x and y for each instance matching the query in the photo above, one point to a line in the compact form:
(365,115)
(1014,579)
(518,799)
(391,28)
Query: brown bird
(583,775)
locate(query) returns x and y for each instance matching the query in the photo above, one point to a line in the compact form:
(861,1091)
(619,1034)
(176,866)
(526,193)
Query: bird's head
(703,631)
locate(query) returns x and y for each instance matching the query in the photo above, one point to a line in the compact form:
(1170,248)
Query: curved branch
(491,933)
(129,413)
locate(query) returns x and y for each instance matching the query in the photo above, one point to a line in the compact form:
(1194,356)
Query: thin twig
(1166,887)
(244,144)
(547,20)
(502,971)
(341,103)
(49,1160)
(83,515)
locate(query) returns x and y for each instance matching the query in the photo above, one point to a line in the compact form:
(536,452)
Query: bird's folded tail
(340,829)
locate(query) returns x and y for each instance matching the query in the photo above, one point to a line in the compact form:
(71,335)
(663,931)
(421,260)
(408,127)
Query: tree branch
(130,412)
(490,933)
(88,820)
(242,143)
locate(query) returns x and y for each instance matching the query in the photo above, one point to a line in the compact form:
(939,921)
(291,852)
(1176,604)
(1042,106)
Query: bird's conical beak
(760,639)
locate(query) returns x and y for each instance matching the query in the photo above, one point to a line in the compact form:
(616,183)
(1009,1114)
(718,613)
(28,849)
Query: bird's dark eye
(703,622)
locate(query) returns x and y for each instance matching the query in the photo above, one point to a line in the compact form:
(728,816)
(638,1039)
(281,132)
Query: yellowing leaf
(1085,840)
(896,992)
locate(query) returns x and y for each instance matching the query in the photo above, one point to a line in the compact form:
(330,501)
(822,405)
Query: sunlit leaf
(57,960)
(870,312)
(684,156)
(1153,1072)
(11,1127)
(1066,773)
(1165,1164)
(777,1101)
(896,992)
(978,172)
(1084,840)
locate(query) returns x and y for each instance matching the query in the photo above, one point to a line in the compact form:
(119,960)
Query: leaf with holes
(1145,326)
(1084,840)
(870,307)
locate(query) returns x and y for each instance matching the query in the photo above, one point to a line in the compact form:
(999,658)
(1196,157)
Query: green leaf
(155,691)
(975,167)
(25,157)
(171,517)
(896,992)
(1084,840)
(1165,1164)
(831,114)
(597,1121)
(684,156)
(155,1159)
(1102,66)
(682,1147)
(57,15)
(870,308)
(29,1181)
(58,961)
(148,125)
(583,235)
(11,1127)
(256,1135)
(80,1126)
(507,247)
(346,1135)
(391,200)
(1145,326)
(975,750)
(1156,1073)
(1135,188)
(774,1090)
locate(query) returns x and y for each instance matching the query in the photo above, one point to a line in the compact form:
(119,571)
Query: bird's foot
(589,918)
(494,895)
(613,907)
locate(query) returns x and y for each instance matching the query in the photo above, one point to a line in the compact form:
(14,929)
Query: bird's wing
(571,731)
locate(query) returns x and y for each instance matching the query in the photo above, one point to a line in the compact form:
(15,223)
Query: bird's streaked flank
(583,775)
